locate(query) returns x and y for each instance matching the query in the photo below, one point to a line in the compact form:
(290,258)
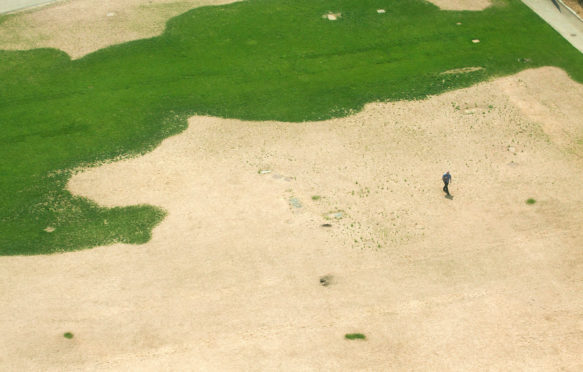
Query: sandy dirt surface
(462,4)
(80,27)
(231,278)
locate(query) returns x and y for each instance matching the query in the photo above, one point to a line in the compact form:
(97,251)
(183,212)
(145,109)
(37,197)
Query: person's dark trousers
(446,189)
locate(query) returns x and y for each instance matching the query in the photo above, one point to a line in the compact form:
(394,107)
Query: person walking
(446,180)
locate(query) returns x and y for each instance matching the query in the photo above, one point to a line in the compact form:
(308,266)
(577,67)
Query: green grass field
(256,60)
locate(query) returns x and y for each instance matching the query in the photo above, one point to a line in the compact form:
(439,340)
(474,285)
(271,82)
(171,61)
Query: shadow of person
(449,196)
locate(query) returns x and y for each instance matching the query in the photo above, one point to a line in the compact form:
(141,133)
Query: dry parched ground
(462,4)
(231,278)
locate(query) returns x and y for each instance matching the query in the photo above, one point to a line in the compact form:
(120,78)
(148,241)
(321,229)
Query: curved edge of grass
(355,336)
(78,223)
(22,225)
(89,226)
(106,226)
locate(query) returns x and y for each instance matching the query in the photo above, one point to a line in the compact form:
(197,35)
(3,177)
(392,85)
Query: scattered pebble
(264,171)
(337,215)
(332,16)
(325,280)
(110,14)
(381,11)
(511,149)
(475,41)
(295,202)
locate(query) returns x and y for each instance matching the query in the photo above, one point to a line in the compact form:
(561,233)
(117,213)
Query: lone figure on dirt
(446,180)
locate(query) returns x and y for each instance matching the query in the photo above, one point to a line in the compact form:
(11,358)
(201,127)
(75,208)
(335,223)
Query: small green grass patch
(68,335)
(355,336)
(530,201)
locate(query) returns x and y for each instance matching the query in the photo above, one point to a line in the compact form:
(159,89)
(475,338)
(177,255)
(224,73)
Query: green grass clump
(255,60)
(530,201)
(316,197)
(355,336)
(68,335)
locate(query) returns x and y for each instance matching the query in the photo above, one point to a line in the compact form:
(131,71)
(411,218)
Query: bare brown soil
(462,4)
(232,279)
(575,5)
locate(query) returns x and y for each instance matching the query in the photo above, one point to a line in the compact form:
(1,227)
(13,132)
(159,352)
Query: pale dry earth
(462,4)
(231,278)
(79,27)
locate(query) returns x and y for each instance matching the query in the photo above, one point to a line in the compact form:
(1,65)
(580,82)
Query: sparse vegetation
(68,335)
(530,201)
(355,336)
